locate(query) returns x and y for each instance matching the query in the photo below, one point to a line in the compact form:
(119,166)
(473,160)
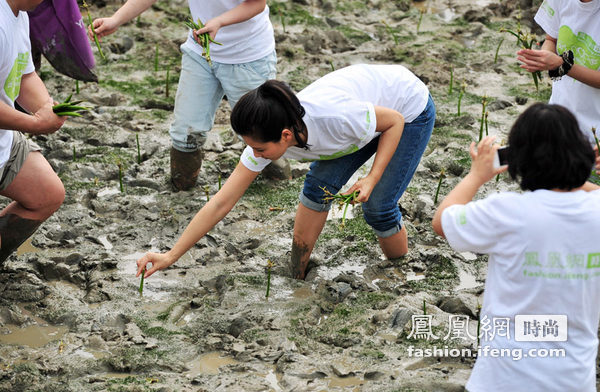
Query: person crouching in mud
(339,122)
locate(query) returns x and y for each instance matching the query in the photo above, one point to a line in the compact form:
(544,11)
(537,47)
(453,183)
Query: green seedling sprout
(219,181)
(68,108)
(331,66)
(141,289)
(486,123)
(156,58)
(167,81)
(207,192)
(74,154)
(76,86)
(138,21)
(391,31)
(497,50)
(91,24)
(483,116)
(478,322)
(424,308)
(282,17)
(269,266)
(137,142)
(526,41)
(342,200)
(461,93)
(451,86)
(439,186)
(421,12)
(204,39)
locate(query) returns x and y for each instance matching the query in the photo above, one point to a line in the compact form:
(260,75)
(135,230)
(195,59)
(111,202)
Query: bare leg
(395,245)
(37,193)
(307,227)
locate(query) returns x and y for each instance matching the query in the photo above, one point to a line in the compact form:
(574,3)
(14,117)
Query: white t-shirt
(340,115)
(242,42)
(544,259)
(15,61)
(576,25)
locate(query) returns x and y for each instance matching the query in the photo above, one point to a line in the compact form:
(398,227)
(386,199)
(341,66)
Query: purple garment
(57,30)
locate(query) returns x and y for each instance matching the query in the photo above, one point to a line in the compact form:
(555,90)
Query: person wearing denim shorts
(25,176)
(339,122)
(244,60)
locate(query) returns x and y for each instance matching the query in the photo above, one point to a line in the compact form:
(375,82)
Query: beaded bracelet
(564,68)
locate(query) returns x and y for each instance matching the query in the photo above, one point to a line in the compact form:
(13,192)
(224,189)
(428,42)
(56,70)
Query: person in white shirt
(544,255)
(339,122)
(571,54)
(25,175)
(244,61)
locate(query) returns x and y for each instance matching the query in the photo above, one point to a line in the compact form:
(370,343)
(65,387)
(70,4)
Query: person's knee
(55,196)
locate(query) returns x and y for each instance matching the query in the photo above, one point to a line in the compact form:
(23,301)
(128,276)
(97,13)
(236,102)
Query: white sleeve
(481,226)
(251,162)
(360,121)
(548,17)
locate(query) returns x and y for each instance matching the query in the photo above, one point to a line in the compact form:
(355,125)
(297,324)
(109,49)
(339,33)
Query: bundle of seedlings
(342,200)
(68,108)
(204,39)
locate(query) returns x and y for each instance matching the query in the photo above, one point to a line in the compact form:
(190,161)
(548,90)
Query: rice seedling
(483,116)
(207,192)
(439,186)
(461,93)
(526,41)
(138,21)
(269,266)
(391,31)
(68,108)
(156,58)
(141,289)
(478,323)
(421,12)
(76,86)
(137,142)
(91,24)
(486,123)
(204,39)
(342,200)
(331,66)
(424,308)
(451,86)
(219,181)
(497,50)
(74,154)
(167,81)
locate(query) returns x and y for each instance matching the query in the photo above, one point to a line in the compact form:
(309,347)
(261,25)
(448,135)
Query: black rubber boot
(14,230)
(185,167)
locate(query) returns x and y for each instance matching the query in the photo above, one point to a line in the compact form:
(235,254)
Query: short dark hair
(263,113)
(547,150)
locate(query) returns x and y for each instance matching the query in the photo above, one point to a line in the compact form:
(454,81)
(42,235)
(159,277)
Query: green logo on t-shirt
(461,216)
(349,150)
(593,260)
(12,86)
(585,49)
(547,8)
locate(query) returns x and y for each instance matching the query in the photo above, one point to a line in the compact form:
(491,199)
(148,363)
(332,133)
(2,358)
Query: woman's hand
(538,60)
(159,261)
(364,186)
(102,27)
(482,165)
(211,27)
(46,120)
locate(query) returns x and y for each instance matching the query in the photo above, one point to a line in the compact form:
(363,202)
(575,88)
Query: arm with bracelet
(557,65)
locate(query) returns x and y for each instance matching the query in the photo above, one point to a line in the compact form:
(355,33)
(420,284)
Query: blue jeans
(201,89)
(381,211)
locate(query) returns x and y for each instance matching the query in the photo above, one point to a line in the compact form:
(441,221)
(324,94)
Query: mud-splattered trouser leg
(14,230)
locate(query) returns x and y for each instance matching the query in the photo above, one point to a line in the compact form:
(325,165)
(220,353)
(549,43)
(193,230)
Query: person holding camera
(544,256)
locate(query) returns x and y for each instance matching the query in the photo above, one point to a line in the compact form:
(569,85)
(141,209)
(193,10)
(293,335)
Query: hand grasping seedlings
(204,39)
(91,24)
(68,108)
(342,200)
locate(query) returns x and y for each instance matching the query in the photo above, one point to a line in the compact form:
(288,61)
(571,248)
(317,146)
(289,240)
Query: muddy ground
(71,317)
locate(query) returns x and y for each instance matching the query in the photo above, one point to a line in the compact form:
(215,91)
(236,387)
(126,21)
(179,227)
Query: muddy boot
(14,230)
(185,167)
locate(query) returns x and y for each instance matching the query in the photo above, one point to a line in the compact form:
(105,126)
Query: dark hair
(547,150)
(266,111)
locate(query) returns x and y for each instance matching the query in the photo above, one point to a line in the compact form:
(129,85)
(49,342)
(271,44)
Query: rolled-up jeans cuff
(389,232)
(319,207)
